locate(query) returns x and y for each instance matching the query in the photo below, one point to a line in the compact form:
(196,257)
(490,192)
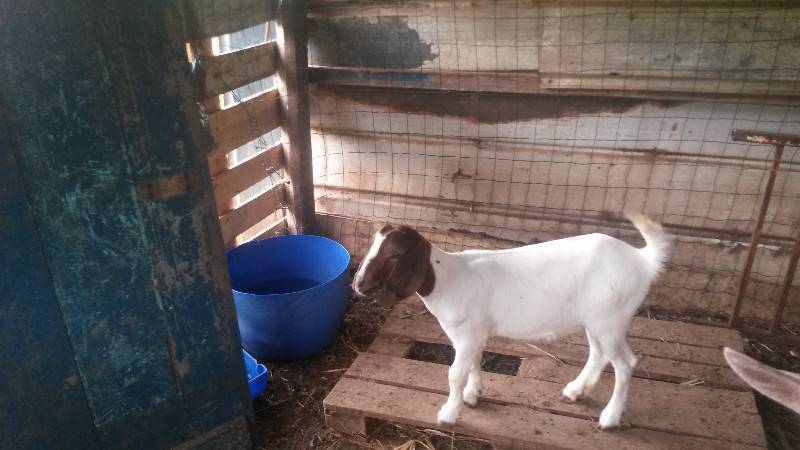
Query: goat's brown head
(398,262)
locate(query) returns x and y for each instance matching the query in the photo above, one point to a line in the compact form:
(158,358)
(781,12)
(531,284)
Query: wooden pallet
(666,407)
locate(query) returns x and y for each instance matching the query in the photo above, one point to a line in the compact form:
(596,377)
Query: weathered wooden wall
(533,120)
(118,325)
(255,87)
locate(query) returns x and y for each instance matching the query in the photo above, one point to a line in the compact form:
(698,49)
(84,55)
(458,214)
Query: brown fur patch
(402,264)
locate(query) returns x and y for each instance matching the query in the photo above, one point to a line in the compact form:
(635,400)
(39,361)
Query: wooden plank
(391,345)
(233,181)
(685,333)
(690,48)
(240,219)
(508,426)
(217,17)
(236,126)
(39,368)
(276,227)
(612,81)
(518,81)
(227,72)
(160,363)
(650,366)
(548,369)
(484,81)
(295,119)
(764,137)
(651,405)
(354,7)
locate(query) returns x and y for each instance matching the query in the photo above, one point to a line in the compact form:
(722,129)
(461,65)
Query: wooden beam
(278,228)
(217,17)
(233,181)
(226,72)
(231,128)
(766,138)
(488,81)
(514,82)
(240,219)
(357,7)
(295,120)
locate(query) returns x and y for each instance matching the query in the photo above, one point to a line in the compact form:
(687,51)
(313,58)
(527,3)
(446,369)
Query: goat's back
(554,287)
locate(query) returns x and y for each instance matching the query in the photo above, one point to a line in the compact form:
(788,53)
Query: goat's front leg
(467,354)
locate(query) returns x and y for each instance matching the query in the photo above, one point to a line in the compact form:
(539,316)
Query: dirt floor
(289,414)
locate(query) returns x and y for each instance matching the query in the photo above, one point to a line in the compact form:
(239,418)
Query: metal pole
(787,286)
(748,266)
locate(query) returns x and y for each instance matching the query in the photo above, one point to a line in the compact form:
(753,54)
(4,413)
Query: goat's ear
(409,272)
(779,385)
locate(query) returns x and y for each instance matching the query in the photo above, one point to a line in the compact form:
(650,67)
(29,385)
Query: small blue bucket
(290,293)
(257,375)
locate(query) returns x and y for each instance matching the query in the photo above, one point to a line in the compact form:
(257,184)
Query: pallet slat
(691,411)
(391,345)
(240,219)
(505,425)
(217,17)
(547,369)
(654,367)
(229,71)
(233,181)
(236,126)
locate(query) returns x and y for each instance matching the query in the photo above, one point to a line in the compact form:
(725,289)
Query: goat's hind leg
(616,347)
(473,389)
(589,375)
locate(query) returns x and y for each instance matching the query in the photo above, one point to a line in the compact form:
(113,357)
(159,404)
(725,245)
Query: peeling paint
(379,42)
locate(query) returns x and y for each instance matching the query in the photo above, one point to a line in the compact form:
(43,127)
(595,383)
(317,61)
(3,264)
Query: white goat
(592,282)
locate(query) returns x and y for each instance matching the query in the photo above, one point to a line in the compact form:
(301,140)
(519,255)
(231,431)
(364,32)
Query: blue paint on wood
(40,380)
(97,105)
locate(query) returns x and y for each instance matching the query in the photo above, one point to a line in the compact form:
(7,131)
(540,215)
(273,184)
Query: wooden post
(295,122)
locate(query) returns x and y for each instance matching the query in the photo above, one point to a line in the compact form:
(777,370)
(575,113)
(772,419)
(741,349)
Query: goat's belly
(529,333)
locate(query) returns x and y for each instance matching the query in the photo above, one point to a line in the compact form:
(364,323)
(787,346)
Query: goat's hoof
(471,398)
(447,416)
(570,393)
(609,420)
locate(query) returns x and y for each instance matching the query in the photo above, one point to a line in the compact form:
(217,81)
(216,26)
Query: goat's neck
(445,266)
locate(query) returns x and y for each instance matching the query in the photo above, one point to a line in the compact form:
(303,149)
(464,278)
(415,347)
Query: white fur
(592,282)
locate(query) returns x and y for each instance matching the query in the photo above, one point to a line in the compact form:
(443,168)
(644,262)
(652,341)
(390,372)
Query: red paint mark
(674,126)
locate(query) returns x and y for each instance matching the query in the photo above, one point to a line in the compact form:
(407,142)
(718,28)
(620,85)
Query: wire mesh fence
(496,124)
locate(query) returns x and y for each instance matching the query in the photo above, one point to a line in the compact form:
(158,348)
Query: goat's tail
(658,241)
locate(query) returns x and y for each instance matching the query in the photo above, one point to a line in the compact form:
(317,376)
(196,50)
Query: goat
(592,282)
(779,385)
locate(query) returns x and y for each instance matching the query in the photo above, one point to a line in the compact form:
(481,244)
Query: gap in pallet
(444,354)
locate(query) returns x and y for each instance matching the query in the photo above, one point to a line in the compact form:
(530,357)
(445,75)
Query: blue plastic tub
(291,294)
(257,375)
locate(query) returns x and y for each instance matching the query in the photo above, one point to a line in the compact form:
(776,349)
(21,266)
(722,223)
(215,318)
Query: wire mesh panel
(496,124)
